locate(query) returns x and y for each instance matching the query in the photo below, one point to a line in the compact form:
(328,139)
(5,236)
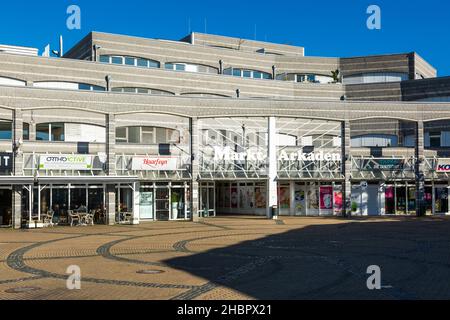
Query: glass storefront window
(57,131)
(26,131)
(42,132)
(78,199)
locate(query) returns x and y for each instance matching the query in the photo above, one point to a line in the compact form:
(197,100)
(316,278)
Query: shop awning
(16,180)
(88,179)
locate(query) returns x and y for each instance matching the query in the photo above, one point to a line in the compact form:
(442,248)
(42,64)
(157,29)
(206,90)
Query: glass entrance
(146,203)
(208,199)
(162,203)
(441,200)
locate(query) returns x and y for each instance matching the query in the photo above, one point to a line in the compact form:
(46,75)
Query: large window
(70,132)
(5,130)
(142,91)
(375,140)
(180,66)
(68,86)
(246,73)
(11,82)
(130,61)
(305,78)
(375,77)
(147,135)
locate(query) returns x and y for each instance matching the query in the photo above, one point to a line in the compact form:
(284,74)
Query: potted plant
(335,76)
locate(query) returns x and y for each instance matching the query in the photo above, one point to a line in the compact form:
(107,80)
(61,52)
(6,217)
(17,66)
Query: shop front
(6,190)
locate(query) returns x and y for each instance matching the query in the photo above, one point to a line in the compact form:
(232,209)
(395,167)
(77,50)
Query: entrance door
(372,201)
(162,204)
(207,199)
(146,204)
(5,207)
(178,203)
(441,200)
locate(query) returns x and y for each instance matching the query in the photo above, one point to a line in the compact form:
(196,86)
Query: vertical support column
(136,203)
(272,192)
(419,170)
(195,167)
(110,204)
(111,144)
(292,197)
(346,168)
(17,164)
(17,206)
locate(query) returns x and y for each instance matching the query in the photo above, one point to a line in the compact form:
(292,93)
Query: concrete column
(419,170)
(292,197)
(136,203)
(32,131)
(18,136)
(110,144)
(272,184)
(17,206)
(195,167)
(110,204)
(346,168)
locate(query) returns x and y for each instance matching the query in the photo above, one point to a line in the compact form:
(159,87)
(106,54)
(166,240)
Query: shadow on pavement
(329,262)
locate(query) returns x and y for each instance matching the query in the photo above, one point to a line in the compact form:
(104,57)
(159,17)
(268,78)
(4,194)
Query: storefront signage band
(443,166)
(6,161)
(226,154)
(65,162)
(154,164)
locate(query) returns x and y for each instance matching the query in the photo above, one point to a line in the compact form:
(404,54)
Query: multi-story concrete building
(130,129)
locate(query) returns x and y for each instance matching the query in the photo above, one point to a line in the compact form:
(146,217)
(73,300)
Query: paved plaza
(231,258)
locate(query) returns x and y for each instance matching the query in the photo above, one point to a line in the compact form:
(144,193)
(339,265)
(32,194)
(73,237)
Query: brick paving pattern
(231,258)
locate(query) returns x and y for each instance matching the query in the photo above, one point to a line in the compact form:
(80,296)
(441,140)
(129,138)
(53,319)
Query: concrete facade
(133,129)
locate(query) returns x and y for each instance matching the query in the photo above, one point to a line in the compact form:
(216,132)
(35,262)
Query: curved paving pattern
(231,258)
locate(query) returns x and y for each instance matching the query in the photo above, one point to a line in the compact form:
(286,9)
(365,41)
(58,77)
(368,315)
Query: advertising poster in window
(284,198)
(356,200)
(260,197)
(313,200)
(338,201)
(300,200)
(326,200)
(146,205)
(234,197)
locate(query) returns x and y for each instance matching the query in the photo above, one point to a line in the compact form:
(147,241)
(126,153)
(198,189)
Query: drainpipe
(220,67)
(274,69)
(108,79)
(238,93)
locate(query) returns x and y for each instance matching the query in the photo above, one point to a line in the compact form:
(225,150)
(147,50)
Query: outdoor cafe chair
(73,217)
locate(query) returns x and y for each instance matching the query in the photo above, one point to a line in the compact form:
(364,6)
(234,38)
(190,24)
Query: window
(179,66)
(142,91)
(42,133)
(375,140)
(246,73)
(117,60)
(104,59)
(435,139)
(147,135)
(5,130)
(57,131)
(142,63)
(130,61)
(26,131)
(11,82)
(375,77)
(67,86)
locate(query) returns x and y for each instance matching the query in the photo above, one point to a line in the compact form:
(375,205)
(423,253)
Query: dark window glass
(227,71)
(117,60)
(57,131)
(104,59)
(180,67)
(134,135)
(129,61)
(83,86)
(169,66)
(117,89)
(257,75)
(267,76)
(129,90)
(142,63)
(5,130)
(98,88)
(42,133)
(237,72)
(26,131)
(154,64)
(247,74)
(121,134)
(142,90)
(435,139)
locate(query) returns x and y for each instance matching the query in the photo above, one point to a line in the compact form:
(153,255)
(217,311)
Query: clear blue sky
(325,28)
